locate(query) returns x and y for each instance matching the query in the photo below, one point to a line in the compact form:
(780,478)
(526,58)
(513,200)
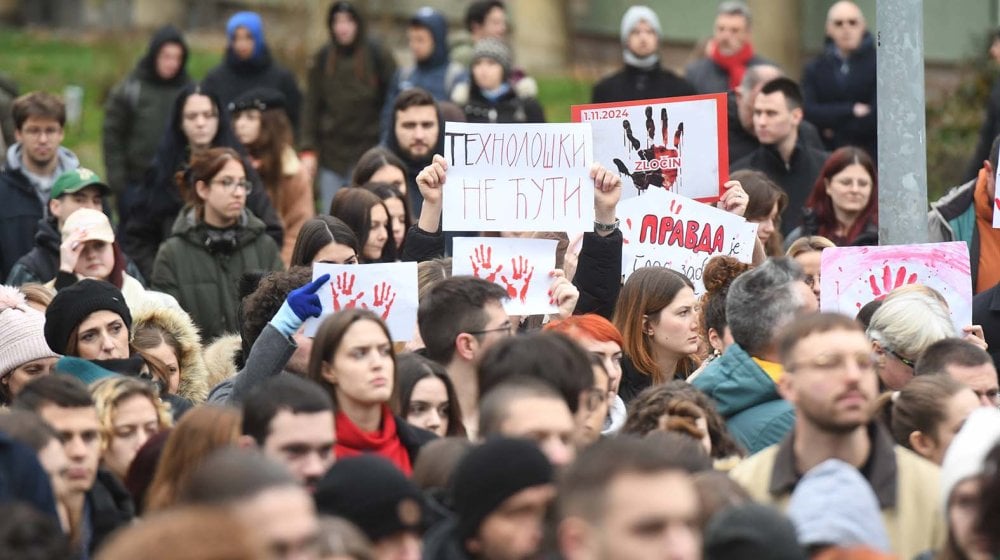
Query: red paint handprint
(889,283)
(483,257)
(343,285)
(658,165)
(382,299)
(521,272)
(675,206)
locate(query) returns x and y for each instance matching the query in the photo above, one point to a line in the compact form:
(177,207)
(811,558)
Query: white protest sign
(850,277)
(388,290)
(664,229)
(520,266)
(518,177)
(678,144)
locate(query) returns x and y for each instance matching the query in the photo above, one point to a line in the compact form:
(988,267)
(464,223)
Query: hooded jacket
(24,204)
(347,86)
(193,375)
(202,266)
(747,398)
(235,76)
(135,114)
(437,74)
(831,85)
(415,166)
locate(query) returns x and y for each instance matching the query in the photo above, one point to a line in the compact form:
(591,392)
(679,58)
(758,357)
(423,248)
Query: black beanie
(73,304)
(372,493)
(491,473)
(752,531)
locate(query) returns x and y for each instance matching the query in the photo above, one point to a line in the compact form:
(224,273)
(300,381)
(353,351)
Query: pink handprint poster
(520,266)
(677,144)
(387,290)
(850,277)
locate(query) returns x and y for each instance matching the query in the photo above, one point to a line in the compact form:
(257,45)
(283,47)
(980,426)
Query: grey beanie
(494,49)
(634,15)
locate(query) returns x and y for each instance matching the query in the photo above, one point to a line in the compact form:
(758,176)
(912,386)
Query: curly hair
(260,306)
(673,398)
(719,273)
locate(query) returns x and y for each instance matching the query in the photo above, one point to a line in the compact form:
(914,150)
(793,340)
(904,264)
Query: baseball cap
(72,181)
(93,222)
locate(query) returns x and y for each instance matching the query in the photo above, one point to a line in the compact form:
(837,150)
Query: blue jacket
(745,396)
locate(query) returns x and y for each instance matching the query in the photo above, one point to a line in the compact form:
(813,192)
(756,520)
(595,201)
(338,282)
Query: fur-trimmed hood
(194,374)
(220,358)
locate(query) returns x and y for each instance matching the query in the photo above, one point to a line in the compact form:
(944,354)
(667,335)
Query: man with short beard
(416,133)
(829,377)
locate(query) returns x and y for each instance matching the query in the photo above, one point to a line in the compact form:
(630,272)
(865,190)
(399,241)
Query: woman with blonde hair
(807,251)
(130,412)
(202,430)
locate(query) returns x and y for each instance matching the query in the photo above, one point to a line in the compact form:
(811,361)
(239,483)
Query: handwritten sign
(520,266)
(526,177)
(664,229)
(850,277)
(388,290)
(679,144)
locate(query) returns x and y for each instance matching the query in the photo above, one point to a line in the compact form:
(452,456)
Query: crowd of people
(160,398)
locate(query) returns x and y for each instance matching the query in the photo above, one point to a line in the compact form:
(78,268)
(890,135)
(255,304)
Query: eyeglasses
(228,183)
(38,132)
(906,361)
(864,361)
(845,22)
(505,328)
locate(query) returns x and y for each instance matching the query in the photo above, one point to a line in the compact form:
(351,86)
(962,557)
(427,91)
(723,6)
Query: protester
(427,397)
(964,362)
(89,320)
(291,420)
(416,133)
(261,124)
(347,85)
(718,274)
(901,330)
(807,252)
(489,97)
(659,324)
(642,77)
(728,54)
(501,491)
(991,119)
(743,382)
(30,169)
(483,18)
(431,71)
(215,240)
(25,355)
(525,407)
(843,205)
(368,217)
(130,412)
(168,340)
(839,84)
(926,414)
(28,428)
(829,378)
(986,312)
(136,111)
(354,361)
(325,239)
(767,202)
(752,530)
(248,64)
(379,165)
(197,122)
(397,205)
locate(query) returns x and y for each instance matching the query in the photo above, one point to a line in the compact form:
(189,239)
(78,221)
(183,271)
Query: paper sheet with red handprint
(850,277)
(387,290)
(518,177)
(661,228)
(520,266)
(677,144)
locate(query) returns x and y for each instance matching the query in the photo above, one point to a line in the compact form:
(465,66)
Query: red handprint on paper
(383,297)
(343,285)
(889,283)
(658,165)
(483,257)
(521,273)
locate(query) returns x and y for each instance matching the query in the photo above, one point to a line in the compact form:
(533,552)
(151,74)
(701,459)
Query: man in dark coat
(782,156)
(839,84)
(986,312)
(135,114)
(416,133)
(729,53)
(248,64)
(642,77)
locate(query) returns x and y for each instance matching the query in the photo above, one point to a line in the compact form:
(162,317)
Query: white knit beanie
(22,334)
(634,15)
(968,451)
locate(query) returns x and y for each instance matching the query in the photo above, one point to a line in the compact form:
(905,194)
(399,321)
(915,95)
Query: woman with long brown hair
(766,204)
(657,317)
(843,205)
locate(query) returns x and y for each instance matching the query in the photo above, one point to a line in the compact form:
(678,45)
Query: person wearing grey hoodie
(30,169)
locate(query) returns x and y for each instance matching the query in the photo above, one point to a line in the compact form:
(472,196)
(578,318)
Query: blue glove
(301,304)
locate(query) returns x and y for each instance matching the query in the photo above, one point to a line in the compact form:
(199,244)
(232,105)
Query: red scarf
(734,64)
(351,441)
